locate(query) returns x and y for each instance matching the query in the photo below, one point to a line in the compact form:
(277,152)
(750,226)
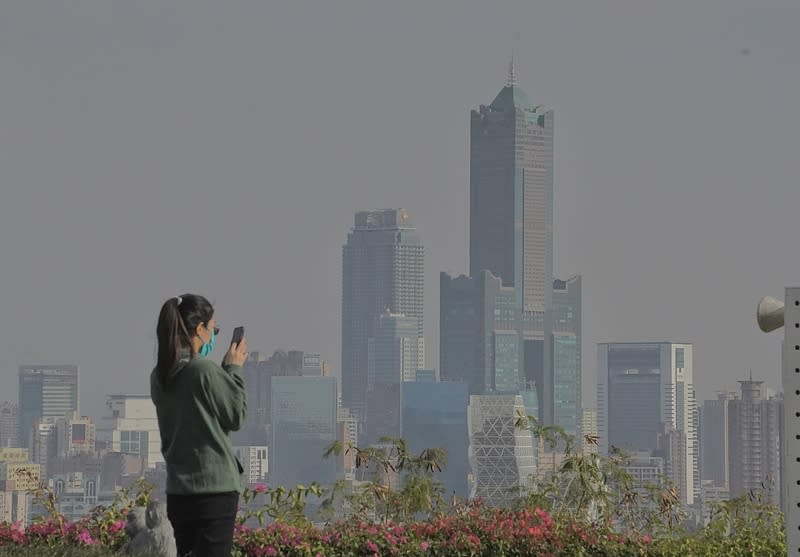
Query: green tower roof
(512,96)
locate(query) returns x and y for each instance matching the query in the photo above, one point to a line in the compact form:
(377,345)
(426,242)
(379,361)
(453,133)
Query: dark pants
(203,524)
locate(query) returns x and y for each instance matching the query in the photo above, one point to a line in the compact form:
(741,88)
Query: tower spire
(512,71)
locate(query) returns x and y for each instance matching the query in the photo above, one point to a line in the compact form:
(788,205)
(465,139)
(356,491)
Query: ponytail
(178,316)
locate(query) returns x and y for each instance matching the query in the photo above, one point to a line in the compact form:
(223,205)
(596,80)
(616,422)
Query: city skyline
(659,213)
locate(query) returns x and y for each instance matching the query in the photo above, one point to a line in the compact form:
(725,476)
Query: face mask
(207,347)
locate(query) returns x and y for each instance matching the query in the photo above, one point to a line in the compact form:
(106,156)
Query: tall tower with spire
(511,220)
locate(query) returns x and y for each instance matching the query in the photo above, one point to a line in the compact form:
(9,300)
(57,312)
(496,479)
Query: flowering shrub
(572,514)
(473,531)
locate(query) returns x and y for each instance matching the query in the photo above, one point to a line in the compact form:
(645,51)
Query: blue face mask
(207,347)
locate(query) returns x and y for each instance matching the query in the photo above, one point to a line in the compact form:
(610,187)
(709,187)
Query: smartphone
(238,335)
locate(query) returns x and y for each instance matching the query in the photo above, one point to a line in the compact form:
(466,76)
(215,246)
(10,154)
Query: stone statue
(149,532)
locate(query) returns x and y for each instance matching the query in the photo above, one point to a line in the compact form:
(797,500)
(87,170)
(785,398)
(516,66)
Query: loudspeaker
(769,314)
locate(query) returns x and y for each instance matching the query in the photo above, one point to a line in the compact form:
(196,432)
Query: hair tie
(179,300)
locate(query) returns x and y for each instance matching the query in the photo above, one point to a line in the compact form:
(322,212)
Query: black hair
(177,322)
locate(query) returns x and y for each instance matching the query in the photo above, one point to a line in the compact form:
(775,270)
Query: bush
(588,508)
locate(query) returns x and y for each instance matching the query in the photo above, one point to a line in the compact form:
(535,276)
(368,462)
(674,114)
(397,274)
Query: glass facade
(566,349)
(304,413)
(506,362)
(45,392)
(480,334)
(135,443)
(435,415)
(382,269)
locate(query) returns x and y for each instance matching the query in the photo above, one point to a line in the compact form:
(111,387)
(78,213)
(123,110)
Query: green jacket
(196,414)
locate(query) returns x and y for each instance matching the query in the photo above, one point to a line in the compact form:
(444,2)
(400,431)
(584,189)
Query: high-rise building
(645,391)
(754,441)
(255,461)
(511,226)
(347,435)
(382,269)
(566,359)
(304,418)
(46,392)
(9,424)
(480,329)
(43,443)
(17,478)
(130,426)
(713,440)
(501,455)
(435,415)
(589,431)
(257,373)
(315,366)
(511,194)
(395,351)
(74,435)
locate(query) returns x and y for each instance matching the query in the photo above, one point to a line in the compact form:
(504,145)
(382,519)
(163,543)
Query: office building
(511,195)
(257,373)
(130,426)
(382,269)
(75,435)
(17,478)
(501,455)
(754,442)
(645,391)
(46,392)
(589,437)
(395,351)
(43,443)
(566,327)
(713,440)
(315,366)
(480,328)
(304,418)
(435,416)
(347,436)
(255,461)
(9,424)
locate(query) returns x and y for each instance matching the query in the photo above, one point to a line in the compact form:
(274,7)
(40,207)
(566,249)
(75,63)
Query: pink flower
(86,538)
(259,488)
(424,546)
(647,538)
(371,547)
(271,551)
(117,526)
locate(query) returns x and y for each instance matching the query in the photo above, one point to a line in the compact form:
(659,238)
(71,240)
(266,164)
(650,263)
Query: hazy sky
(150,148)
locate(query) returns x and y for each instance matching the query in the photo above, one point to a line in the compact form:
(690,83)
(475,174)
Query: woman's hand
(237,354)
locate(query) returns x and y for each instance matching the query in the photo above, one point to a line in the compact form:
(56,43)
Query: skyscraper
(567,354)
(9,424)
(511,220)
(304,419)
(511,194)
(395,351)
(645,392)
(130,426)
(382,269)
(754,441)
(501,455)
(480,333)
(46,392)
(713,440)
(435,415)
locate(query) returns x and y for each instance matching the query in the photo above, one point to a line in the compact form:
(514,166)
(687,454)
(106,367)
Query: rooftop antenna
(512,66)
(512,72)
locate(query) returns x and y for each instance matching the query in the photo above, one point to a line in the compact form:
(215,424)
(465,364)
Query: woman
(198,404)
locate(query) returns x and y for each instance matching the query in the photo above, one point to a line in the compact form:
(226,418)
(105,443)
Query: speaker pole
(790,444)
